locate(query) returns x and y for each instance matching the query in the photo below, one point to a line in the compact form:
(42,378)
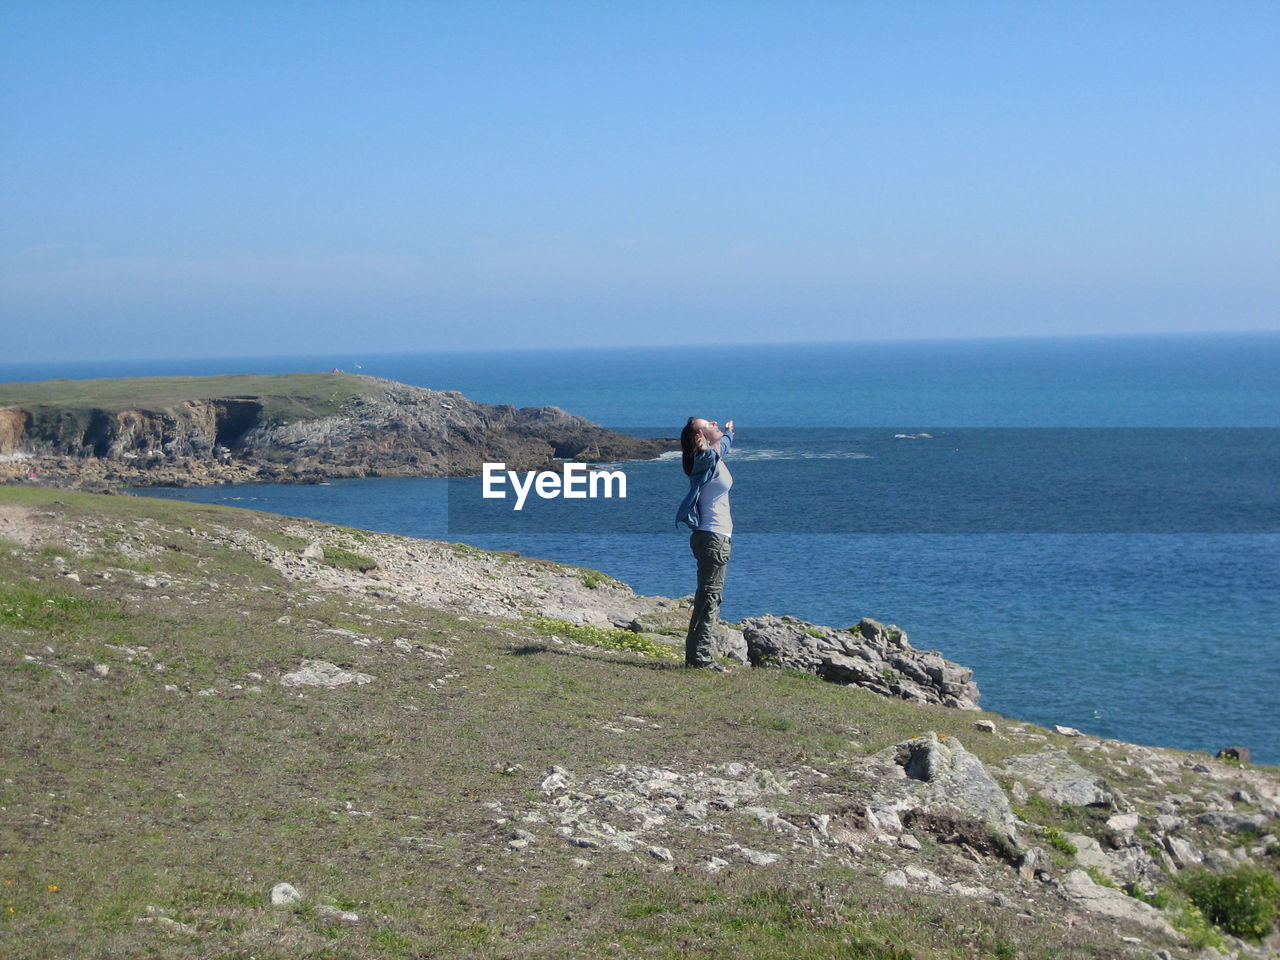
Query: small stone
(1066,731)
(715,865)
(335,915)
(973,891)
(908,842)
(518,844)
(1123,822)
(70,575)
(581,862)
(896,878)
(285,895)
(170,688)
(925,878)
(755,857)
(661,853)
(1184,853)
(313,551)
(167,924)
(986,726)
(101,669)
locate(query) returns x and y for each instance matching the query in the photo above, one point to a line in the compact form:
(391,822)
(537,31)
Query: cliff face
(13,429)
(387,429)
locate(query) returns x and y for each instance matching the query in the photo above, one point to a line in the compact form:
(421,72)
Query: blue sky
(231,178)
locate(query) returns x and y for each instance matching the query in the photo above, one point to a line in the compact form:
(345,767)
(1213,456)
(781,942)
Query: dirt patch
(16,523)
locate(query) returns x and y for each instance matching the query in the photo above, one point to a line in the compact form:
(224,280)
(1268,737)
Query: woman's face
(709,429)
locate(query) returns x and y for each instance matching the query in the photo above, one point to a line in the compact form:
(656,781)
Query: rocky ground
(523,774)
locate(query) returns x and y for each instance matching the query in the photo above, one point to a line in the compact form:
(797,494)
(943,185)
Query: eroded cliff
(340,426)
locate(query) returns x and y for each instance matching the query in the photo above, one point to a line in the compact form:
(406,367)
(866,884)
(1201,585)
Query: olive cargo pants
(712,552)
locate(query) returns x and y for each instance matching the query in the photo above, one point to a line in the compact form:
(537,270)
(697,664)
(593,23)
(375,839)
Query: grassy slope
(289,396)
(123,795)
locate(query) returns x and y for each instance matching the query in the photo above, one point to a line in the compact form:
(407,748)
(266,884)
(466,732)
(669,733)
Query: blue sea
(1092,524)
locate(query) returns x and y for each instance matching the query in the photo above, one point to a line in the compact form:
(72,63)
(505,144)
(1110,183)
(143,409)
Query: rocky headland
(189,431)
(286,737)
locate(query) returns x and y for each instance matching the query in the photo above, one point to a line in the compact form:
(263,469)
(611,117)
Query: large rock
(932,774)
(322,673)
(956,778)
(870,655)
(1079,888)
(1059,778)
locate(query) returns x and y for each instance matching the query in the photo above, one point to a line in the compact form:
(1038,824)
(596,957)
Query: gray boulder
(1061,779)
(1229,821)
(954,777)
(869,655)
(1079,888)
(322,673)
(934,775)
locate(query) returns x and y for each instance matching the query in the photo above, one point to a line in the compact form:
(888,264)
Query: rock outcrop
(868,655)
(363,427)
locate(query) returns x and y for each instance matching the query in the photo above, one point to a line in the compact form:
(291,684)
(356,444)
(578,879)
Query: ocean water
(1093,524)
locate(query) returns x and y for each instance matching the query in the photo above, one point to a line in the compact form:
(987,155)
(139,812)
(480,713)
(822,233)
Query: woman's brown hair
(688,448)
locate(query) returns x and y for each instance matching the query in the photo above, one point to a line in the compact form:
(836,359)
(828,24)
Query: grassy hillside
(288,396)
(160,776)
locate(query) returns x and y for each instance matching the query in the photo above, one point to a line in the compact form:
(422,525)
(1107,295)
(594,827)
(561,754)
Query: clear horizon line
(975,338)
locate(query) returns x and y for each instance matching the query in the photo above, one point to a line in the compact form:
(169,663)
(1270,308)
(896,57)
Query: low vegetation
(160,776)
(285,397)
(1242,902)
(345,559)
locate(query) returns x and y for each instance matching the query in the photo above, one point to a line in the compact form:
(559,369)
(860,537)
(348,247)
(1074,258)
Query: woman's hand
(700,442)
(728,426)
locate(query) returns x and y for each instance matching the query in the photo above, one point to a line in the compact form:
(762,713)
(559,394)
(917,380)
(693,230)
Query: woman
(705,510)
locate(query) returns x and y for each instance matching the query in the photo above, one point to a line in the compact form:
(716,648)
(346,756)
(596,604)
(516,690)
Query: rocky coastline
(308,429)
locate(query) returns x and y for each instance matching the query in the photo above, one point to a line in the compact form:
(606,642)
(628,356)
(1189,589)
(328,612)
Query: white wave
(767,454)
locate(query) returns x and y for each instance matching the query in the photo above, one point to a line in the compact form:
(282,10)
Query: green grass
(65,408)
(606,638)
(125,795)
(46,608)
(594,579)
(1054,838)
(345,559)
